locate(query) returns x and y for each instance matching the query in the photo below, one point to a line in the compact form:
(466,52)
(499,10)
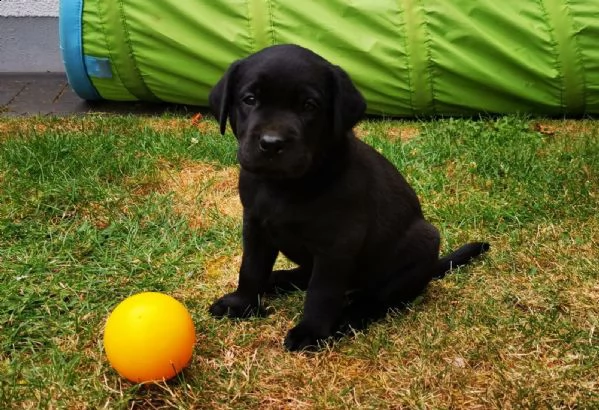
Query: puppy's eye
(249,100)
(310,105)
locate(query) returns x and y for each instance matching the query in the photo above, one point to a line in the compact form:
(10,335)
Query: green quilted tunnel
(408,57)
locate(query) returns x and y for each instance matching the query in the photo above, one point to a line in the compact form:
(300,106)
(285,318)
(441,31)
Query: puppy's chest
(277,213)
(282,216)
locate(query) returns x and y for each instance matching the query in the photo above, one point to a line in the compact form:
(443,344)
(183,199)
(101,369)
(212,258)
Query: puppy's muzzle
(272,144)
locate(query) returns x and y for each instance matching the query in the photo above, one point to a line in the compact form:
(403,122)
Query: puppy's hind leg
(417,257)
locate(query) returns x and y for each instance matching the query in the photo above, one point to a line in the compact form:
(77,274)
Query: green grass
(93,209)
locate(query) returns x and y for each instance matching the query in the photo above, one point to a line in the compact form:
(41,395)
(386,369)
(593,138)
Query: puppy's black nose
(271,144)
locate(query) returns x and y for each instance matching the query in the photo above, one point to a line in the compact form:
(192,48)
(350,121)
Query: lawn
(96,208)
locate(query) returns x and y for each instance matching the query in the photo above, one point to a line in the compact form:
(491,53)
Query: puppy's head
(288,107)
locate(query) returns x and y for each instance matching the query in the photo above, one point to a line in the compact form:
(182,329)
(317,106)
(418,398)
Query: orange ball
(149,337)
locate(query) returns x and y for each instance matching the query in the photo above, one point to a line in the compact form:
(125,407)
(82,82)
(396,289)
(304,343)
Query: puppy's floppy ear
(220,96)
(349,105)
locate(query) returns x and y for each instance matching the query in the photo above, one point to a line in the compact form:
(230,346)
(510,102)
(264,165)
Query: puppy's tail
(460,257)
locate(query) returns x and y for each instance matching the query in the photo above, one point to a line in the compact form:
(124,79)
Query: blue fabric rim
(70,28)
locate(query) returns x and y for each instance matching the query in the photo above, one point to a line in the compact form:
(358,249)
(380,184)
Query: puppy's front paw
(234,305)
(304,337)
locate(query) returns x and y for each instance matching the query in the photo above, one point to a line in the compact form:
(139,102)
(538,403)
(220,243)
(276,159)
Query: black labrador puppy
(313,191)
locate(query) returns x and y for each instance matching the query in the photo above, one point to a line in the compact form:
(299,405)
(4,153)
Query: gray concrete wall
(29,36)
(29,8)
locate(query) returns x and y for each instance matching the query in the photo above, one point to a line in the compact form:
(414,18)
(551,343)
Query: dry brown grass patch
(404,133)
(570,128)
(26,126)
(203,191)
(221,272)
(96,214)
(392,131)
(10,126)
(178,124)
